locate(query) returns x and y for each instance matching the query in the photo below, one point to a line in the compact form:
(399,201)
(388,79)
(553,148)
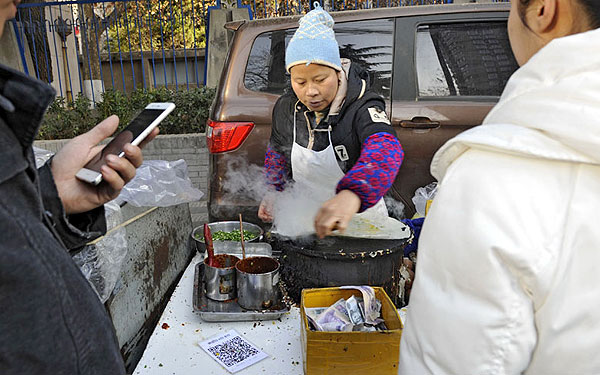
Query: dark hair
(591,7)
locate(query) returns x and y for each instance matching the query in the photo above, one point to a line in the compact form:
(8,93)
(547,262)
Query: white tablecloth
(175,350)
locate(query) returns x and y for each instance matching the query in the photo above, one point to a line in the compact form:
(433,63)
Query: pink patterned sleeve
(374,172)
(276,169)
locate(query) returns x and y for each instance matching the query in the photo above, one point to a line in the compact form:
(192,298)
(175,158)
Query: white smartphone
(134,133)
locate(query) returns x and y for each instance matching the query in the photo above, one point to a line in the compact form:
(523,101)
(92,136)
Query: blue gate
(92,45)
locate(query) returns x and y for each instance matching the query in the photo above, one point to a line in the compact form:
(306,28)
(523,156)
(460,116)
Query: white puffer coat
(508,273)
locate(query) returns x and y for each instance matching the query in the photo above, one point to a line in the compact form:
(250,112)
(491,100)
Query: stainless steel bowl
(226,226)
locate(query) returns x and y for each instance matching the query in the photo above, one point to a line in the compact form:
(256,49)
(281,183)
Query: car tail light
(226,136)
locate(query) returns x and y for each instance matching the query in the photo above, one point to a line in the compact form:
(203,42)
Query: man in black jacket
(51,321)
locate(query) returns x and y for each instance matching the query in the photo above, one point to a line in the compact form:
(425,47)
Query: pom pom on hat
(314,41)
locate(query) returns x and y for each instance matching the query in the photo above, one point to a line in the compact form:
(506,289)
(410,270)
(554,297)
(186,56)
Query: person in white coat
(507,280)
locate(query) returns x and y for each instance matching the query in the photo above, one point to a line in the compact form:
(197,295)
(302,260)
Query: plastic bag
(422,195)
(160,183)
(41,156)
(101,262)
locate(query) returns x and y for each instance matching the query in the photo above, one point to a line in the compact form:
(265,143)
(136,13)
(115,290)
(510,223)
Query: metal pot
(257,279)
(310,262)
(227,226)
(220,282)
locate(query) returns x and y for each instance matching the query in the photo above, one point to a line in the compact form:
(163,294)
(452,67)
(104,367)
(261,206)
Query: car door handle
(419,123)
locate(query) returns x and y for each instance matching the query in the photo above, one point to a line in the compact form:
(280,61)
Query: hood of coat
(549,109)
(354,82)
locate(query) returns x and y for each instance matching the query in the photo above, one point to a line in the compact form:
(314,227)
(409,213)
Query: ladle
(209,246)
(242,238)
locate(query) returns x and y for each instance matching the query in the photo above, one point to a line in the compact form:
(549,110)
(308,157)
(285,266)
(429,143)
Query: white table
(175,350)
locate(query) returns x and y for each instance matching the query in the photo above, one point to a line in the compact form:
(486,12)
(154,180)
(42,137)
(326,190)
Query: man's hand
(265,210)
(336,213)
(78,196)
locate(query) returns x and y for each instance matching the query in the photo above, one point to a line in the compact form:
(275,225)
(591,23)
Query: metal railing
(92,45)
(89,46)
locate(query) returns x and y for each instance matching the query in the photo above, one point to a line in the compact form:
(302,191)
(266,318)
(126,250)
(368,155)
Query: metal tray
(230,311)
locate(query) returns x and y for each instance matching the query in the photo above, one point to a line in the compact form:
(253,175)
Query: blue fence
(90,46)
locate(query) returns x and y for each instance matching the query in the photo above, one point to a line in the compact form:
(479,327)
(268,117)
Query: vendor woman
(331,134)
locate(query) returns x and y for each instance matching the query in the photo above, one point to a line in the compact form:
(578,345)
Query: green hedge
(69,119)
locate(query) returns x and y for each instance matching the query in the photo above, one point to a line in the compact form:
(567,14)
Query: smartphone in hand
(138,129)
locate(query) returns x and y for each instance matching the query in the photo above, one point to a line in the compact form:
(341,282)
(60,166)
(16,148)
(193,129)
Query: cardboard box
(346,353)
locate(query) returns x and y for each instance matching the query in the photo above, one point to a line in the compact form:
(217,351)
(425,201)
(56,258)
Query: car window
(368,43)
(463,59)
(265,71)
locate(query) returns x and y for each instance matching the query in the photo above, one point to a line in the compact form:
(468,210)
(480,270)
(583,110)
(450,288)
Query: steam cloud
(244,180)
(293,210)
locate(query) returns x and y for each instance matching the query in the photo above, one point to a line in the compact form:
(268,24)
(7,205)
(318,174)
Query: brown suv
(439,68)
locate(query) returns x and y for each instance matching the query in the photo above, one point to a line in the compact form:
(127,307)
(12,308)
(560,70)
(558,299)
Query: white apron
(318,173)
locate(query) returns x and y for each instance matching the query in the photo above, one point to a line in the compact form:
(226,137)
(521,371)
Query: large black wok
(309,262)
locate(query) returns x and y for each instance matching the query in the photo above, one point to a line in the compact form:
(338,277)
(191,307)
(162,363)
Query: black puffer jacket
(51,321)
(350,128)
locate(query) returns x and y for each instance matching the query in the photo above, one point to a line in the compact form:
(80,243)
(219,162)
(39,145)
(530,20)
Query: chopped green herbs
(233,235)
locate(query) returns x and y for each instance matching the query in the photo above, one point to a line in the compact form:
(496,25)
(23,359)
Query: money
(354,311)
(371,303)
(333,320)
(363,328)
(354,314)
(312,313)
(381,326)
(340,305)
(336,326)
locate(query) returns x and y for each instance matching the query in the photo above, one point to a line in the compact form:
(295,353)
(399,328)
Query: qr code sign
(233,351)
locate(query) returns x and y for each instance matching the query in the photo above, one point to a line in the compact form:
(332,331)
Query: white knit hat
(314,41)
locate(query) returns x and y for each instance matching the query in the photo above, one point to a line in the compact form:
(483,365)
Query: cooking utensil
(309,262)
(226,226)
(242,238)
(220,278)
(230,311)
(234,248)
(257,279)
(209,245)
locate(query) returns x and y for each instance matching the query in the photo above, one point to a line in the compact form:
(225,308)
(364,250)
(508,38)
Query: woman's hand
(78,196)
(265,210)
(336,213)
